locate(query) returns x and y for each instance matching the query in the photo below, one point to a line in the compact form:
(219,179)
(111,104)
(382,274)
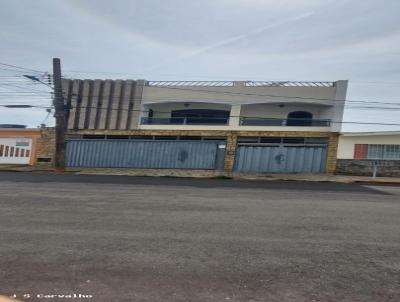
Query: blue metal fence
(281,159)
(144,154)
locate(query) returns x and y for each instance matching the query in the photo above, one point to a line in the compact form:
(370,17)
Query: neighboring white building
(359,152)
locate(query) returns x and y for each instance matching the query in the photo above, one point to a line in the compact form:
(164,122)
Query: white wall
(15,142)
(347,142)
(164,109)
(294,98)
(239,94)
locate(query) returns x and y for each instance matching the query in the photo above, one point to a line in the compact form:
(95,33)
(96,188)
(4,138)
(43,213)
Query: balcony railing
(185,120)
(243,121)
(253,121)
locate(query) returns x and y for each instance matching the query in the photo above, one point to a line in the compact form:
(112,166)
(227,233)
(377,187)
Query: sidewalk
(193,173)
(321,178)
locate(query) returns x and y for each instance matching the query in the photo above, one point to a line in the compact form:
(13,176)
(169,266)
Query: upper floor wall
(118,104)
(240,92)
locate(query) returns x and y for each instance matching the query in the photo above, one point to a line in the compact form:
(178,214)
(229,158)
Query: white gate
(14,150)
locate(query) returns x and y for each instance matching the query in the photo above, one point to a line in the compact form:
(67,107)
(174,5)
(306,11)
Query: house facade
(358,153)
(230,126)
(18,146)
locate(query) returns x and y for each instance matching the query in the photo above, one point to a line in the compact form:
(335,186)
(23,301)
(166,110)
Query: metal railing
(288,84)
(253,121)
(246,83)
(190,83)
(243,121)
(185,120)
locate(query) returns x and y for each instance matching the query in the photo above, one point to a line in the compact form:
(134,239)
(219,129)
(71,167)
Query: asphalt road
(165,239)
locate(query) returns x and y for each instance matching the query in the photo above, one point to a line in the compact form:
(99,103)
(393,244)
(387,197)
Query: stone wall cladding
(45,146)
(331,160)
(151,172)
(364,167)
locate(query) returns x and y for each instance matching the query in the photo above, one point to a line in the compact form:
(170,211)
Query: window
(190,138)
(202,116)
(117,136)
(375,151)
(299,118)
(93,136)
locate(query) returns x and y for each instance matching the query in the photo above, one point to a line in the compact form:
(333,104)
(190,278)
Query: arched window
(299,118)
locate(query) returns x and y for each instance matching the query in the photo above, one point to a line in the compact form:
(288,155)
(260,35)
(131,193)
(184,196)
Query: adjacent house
(231,126)
(18,145)
(358,153)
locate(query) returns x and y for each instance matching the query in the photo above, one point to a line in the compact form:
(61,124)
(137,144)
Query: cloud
(232,40)
(208,39)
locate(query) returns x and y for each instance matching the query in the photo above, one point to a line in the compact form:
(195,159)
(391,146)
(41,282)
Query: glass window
(383,152)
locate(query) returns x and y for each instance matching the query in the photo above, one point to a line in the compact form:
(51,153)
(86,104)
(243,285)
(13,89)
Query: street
(119,238)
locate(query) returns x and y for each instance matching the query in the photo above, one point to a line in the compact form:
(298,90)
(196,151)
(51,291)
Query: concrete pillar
(115,104)
(231,142)
(94,107)
(338,108)
(137,104)
(74,112)
(85,104)
(125,103)
(105,104)
(234,118)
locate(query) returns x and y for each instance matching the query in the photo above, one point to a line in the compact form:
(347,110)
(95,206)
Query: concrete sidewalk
(210,174)
(320,178)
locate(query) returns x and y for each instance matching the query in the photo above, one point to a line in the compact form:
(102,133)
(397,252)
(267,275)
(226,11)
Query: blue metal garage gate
(281,157)
(100,153)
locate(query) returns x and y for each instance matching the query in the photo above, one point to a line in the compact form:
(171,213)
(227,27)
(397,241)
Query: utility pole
(58,102)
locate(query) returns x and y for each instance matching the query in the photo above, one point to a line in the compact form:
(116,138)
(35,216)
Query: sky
(297,40)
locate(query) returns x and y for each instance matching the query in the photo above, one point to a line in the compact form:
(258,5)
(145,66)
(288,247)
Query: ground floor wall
(231,138)
(365,167)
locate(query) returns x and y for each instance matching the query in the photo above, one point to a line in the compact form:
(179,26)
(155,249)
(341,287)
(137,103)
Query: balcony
(185,121)
(297,122)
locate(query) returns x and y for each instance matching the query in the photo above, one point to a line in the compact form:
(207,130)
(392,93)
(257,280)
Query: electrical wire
(19,67)
(334,122)
(257,95)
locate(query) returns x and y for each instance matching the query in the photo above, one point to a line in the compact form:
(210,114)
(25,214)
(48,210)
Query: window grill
(383,152)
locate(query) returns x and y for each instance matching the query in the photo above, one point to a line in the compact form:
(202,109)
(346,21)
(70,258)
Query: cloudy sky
(357,40)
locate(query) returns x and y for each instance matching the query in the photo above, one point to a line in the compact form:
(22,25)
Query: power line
(217,76)
(240,93)
(258,95)
(241,116)
(20,106)
(21,87)
(264,95)
(188,100)
(19,67)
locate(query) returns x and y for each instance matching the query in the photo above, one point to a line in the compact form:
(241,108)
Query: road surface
(111,238)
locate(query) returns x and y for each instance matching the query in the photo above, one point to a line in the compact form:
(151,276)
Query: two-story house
(233,126)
